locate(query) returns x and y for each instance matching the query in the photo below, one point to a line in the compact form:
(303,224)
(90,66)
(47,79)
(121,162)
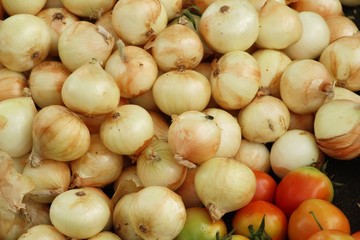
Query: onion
(121,218)
(254,155)
(98,167)
(302,121)
(13,7)
(337,129)
(305,85)
(314,39)
(149,213)
(235,80)
(230,138)
(295,148)
(258,4)
(156,166)
(340,26)
(272,64)
(50,178)
(133,69)
(344,93)
(82,41)
(341,59)
(54,4)
(219,15)
(232,188)
(323,7)
(350,3)
(161,125)
(42,231)
(57,19)
(178,91)
(187,190)
(128,182)
(20,162)
(127,130)
(92,9)
(135,22)
(280,26)
(194,137)
(93,123)
(45,82)
(260,125)
(173,8)
(174,51)
(105,235)
(12,84)
(90,90)
(24,49)
(105,21)
(58,134)
(145,100)
(16,118)
(80,213)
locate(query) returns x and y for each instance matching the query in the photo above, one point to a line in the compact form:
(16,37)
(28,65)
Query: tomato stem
(316,220)
(260,234)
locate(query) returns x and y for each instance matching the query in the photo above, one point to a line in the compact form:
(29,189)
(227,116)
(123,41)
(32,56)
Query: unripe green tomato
(199,225)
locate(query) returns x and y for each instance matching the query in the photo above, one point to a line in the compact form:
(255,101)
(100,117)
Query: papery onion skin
(42,231)
(323,7)
(135,22)
(337,129)
(53,4)
(82,41)
(232,189)
(92,9)
(16,117)
(176,91)
(340,26)
(45,82)
(24,49)
(12,84)
(13,7)
(80,213)
(219,15)
(105,235)
(58,134)
(173,8)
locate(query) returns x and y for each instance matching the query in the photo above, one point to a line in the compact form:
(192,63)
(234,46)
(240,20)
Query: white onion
(340,26)
(12,84)
(13,7)
(24,49)
(323,7)
(295,148)
(42,231)
(173,8)
(92,9)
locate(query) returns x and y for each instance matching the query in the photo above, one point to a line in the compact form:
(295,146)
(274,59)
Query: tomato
(252,214)
(265,187)
(304,220)
(238,237)
(199,225)
(356,235)
(300,184)
(330,234)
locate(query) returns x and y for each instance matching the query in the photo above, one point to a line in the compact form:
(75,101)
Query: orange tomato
(330,235)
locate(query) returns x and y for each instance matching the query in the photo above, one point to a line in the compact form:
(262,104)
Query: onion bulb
(136,22)
(24,49)
(302,121)
(80,213)
(12,84)
(127,130)
(90,90)
(323,7)
(105,21)
(54,4)
(340,26)
(50,178)
(194,137)
(82,41)
(230,132)
(105,235)
(58,134)
(232,188)
(57,19)
(13,7)
(45,82)
(133,69)
(173,8)
(215,22)
(280,26)
(98,167)
(314,39)
(235,80)
(187,190)
(305,85)
(42,231)
(157,212)
(344,93)
(16,118)
(341,59)
(174,51)
(177,91)
(145,100)
(295,148)
(156,166)
(260,125)
(161,125)
(92,9)
(254,155)
(337,129)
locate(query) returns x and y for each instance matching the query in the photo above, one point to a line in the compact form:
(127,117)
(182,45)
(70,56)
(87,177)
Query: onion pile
(118,116)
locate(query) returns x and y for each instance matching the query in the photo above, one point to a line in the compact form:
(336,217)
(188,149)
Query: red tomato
(303,221)
(330,235)
(356,235)
(265,187)
(300,184)
(252,214)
